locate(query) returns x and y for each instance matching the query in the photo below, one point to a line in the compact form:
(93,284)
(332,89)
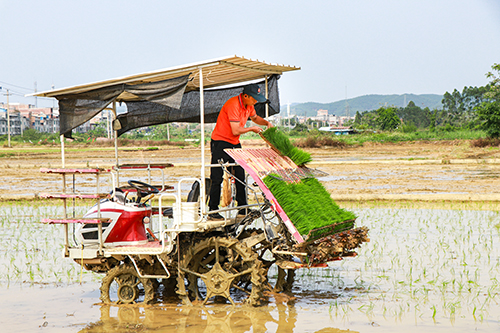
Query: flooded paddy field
(424,269)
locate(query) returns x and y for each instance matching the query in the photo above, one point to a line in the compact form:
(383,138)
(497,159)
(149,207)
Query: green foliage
(307,203)
(357,119)
(369,119)
(494,87)
(387,119)
(489,113)
(299,128)
(408,127)
(459,107)
(415,115)
(440,133)
(32,134)
(447,128)
(458,110)
(279,140)
(432,122)
(489,110)
(98,131)
(34,137)
(161,132)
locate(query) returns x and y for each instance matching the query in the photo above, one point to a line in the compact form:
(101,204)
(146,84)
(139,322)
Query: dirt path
(432,171)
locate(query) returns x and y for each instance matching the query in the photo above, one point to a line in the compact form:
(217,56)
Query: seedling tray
(328,230)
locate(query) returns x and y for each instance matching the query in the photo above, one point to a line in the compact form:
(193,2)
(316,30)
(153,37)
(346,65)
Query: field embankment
(434,171)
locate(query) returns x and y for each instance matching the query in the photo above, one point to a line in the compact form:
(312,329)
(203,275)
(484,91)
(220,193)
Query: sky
(345,48)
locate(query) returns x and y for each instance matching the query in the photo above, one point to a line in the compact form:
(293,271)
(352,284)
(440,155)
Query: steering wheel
(142,189)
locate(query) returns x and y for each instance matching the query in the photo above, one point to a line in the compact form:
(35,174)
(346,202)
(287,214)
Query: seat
(193,196)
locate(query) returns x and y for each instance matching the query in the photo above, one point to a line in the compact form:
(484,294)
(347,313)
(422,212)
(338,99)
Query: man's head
(253,90)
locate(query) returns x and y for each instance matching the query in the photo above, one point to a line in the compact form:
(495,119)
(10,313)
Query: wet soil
(367,294)
(424,270)
(427,171)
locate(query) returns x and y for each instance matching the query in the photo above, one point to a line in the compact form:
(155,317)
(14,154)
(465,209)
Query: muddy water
(424,269)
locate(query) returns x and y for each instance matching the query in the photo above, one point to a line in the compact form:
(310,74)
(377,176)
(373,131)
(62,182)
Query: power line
(10,84)
(13,92)
(21,94)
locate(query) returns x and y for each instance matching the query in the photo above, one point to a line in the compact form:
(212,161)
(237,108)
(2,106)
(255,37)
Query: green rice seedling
(309,205)
(281,142)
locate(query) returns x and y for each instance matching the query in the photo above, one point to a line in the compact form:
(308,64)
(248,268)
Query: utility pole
(52,112)
(8,117)
(108,124)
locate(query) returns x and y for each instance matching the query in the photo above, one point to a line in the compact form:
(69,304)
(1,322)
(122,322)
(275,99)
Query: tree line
(475,108)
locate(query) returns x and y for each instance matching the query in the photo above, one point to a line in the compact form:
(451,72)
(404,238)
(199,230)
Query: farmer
(230,125)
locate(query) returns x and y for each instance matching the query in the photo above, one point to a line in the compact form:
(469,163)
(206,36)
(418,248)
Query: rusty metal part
(285,279)
(226,266)
(129,286)
(98,265)
(334,247)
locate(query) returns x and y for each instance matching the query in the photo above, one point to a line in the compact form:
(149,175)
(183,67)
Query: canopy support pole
(62,152)
(267,104)
(202,144)
(115,135)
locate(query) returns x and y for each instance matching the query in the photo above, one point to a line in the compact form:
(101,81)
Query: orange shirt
(232,111)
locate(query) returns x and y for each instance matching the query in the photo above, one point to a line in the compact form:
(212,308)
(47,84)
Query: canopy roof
(169,95)
(216,72)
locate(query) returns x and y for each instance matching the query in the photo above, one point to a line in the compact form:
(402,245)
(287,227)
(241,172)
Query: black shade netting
(145,113)
(76,109)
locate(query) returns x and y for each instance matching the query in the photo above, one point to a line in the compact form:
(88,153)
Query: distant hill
(364,103)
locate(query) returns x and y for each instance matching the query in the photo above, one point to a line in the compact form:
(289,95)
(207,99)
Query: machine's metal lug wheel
(284,281)
(285,278)
(122,285)
(127,293)
(218,268)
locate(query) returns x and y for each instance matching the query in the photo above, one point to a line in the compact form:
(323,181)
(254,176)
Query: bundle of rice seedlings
(281,142)
(309,205)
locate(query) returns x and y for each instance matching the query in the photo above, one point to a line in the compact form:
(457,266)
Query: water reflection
(280,317)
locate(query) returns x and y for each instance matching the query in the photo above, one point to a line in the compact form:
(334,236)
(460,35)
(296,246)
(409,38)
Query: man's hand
(261,121)
(256,129)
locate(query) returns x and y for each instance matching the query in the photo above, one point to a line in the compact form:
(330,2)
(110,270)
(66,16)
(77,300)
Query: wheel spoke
(234,260)
(217,250)
(222,264)
(191,272)
(228,296)
(207,261)
(128,289)
(209,295)
(240,288)
(233,276)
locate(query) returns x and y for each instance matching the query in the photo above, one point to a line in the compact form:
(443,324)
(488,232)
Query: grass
(314,138)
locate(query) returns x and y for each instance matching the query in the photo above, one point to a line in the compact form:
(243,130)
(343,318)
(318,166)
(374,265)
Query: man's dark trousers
(217,148)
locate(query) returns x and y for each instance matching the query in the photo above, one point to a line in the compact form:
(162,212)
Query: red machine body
(127,226)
